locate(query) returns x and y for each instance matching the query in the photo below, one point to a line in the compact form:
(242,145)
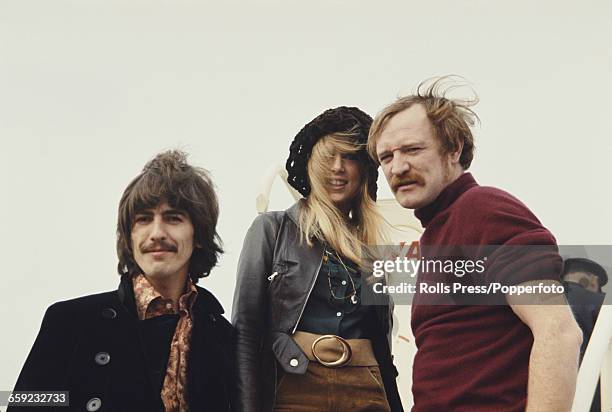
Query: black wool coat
(96,348)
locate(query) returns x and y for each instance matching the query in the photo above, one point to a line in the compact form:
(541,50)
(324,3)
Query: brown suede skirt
(355,386)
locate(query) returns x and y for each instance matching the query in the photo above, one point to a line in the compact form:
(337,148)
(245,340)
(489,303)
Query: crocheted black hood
(340,119)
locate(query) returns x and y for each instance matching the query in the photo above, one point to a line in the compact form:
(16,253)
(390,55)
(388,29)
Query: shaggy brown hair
(169,178)
(451,118)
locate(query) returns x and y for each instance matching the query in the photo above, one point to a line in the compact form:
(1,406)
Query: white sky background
(91,90)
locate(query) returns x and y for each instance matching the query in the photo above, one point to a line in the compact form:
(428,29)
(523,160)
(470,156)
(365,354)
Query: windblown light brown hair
(169,178)
(451,119)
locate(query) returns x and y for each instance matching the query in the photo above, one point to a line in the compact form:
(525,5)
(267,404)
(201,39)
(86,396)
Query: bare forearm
(553,366)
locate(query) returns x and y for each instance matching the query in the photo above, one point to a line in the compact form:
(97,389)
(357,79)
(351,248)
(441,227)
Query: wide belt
(334,351)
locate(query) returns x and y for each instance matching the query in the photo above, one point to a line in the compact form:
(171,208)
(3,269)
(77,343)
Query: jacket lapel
(208,348)
(132,331)
(309,258)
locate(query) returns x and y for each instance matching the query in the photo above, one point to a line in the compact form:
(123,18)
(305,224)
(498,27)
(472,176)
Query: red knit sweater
(476,358)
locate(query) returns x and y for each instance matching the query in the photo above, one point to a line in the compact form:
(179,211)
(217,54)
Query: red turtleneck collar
(446,198)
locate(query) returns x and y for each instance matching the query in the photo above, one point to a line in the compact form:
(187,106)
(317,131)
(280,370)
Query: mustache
(158,246)
(399,181)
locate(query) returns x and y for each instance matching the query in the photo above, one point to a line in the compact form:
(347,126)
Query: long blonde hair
(320,219)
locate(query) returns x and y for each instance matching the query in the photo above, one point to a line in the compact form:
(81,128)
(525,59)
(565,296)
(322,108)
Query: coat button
(109,313)
(93,404)
(294,362)
(102,358)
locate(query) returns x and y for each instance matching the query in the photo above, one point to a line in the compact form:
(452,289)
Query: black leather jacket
(276,274)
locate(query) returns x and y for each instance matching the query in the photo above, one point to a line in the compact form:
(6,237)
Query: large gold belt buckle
(344,358)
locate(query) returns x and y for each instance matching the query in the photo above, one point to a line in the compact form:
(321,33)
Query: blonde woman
(305,341)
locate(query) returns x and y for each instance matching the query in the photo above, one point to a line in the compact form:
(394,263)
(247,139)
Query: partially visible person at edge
(300,276)
(159,342)
(503,358)
(583,279)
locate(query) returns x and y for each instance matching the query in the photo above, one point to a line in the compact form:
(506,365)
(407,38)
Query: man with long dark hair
(159,342)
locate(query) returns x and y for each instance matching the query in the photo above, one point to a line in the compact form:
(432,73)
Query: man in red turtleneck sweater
(504,358)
